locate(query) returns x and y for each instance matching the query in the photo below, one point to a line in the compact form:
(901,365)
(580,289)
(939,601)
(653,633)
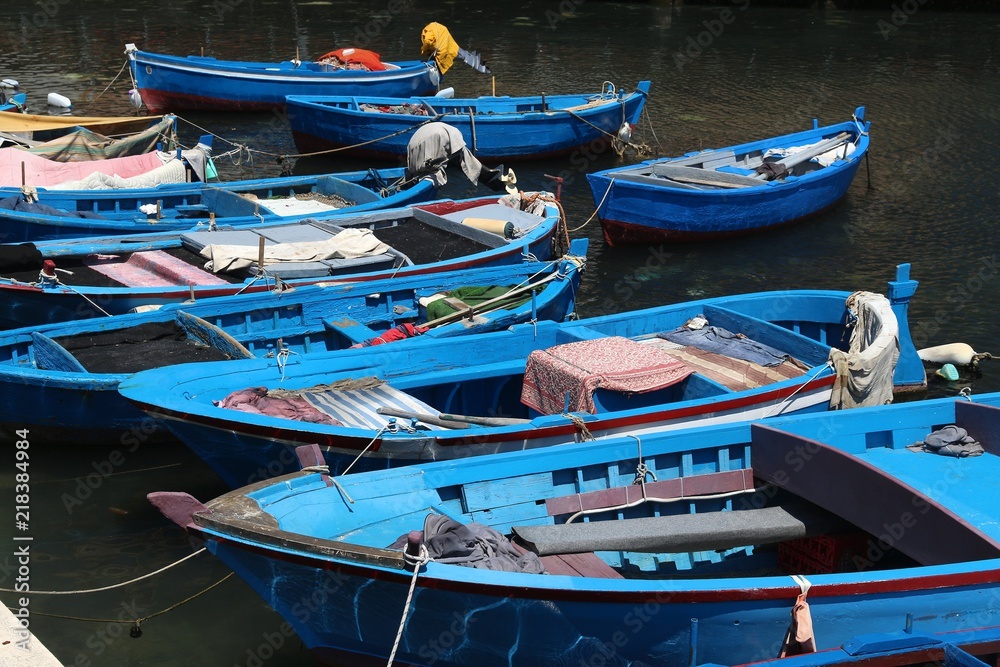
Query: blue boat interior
(415,236)
(793,496)
(753,164)
(495,389)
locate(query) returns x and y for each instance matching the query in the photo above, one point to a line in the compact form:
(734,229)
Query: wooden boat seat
(681,533)
(298,233)
(679,487)
(877,490)
(351,330)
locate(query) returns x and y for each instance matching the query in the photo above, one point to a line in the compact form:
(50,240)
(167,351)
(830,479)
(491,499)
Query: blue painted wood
(51,356)
(300,533)
(13,103)
(483,376)
(637,206)
(494,128)
(188,206)
(203,83)
(88,404)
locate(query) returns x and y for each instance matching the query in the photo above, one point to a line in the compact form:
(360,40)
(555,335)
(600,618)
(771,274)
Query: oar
(455,421)
(473,310)
(808,154)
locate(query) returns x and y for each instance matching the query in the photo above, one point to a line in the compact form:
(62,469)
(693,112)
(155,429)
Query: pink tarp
(614,363)
(40,172)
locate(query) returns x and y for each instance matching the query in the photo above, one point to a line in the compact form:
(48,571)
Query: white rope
(378,433)
(416,561)
(611,183)
(800,388)
(803,583)
(108,588)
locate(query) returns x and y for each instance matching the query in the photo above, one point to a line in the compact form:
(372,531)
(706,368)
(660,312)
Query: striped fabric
(357,407)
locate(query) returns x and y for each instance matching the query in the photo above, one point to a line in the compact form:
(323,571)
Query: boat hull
(205,84)
(334,123)
(347,615)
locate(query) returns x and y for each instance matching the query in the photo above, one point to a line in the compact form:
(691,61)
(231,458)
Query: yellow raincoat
(435,39)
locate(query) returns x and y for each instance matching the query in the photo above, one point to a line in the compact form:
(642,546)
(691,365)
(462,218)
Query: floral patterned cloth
(615,363)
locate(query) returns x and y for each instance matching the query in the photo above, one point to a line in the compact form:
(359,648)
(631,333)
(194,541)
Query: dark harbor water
(721,75)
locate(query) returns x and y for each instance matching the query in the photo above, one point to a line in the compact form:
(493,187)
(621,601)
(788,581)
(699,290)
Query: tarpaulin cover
(40,172)
(83,144)
(349,243)
(614,363)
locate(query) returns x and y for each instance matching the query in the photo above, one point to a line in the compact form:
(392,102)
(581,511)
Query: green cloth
(473,296)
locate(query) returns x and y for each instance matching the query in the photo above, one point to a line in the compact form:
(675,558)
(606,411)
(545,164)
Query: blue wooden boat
(494,128)
(63,378)
(730,191)
(660,549)
(77,214)
(54,281)
(537,385)
(172,83)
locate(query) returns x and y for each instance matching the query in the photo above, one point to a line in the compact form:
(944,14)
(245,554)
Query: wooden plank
(654,180)
(210,335)
(982,422)
(868,497)
(490,494)
(679,487)
(705,176)
(589,565)
(51,356)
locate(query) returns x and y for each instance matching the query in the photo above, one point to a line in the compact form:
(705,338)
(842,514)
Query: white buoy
(135,98)
(57,100)
(447,93)
(959,354)
(9,84)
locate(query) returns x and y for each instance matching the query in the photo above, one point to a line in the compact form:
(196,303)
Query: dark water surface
(932,87)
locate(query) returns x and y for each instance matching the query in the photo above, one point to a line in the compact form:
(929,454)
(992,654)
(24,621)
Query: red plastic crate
(823,554)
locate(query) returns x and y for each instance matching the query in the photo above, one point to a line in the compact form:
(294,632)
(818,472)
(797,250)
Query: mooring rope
(417,562)
(611,183)
(112,586)
(136,622)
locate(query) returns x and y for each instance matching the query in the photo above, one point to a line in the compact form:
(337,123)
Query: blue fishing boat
(494,128)
(660,549)
(54,281)
(173,83)
(536,385)
(63,378)
(730,191)
(76,214)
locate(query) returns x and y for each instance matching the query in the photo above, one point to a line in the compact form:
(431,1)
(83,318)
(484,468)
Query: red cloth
(256,401)
(615,363)
(400,332)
